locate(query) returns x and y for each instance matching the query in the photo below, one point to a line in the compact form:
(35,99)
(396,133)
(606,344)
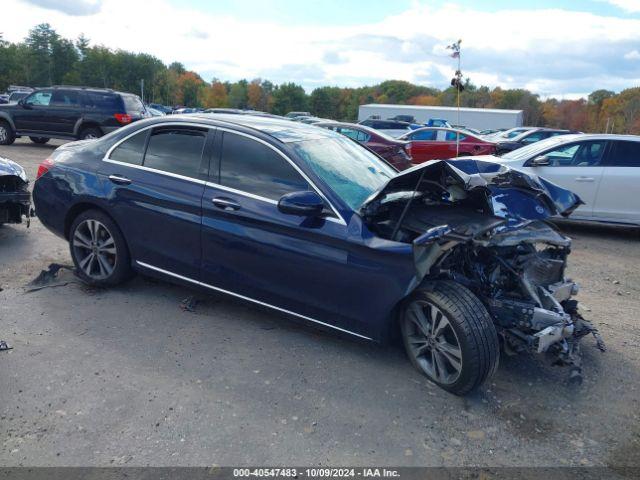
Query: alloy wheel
(95,249)
(4,134)
(433,342)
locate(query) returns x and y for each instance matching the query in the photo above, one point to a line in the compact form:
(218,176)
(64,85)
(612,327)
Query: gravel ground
(125,377)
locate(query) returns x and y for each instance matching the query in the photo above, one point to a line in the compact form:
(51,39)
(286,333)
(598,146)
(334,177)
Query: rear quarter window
(103,101)
(133,104)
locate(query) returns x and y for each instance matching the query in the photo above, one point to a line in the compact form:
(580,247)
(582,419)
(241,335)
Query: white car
(604,170)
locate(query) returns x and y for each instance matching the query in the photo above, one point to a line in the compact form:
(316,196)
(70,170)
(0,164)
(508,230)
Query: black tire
(82,244)
(39,140)
(464,154)
(7,134)
(90,132)
(468,323)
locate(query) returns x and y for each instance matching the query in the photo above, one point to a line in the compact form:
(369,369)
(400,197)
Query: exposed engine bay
(485,226)
(15,199)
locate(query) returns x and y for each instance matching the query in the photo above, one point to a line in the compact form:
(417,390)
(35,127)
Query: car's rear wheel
(98,249)
(90,132)
(7,135)
(39,140)
(449,336)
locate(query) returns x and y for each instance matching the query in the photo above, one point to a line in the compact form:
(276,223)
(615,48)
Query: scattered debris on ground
(4,346)
(189,304)
(56,275)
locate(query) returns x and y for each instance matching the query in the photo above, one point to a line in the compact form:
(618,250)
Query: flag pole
(458,89)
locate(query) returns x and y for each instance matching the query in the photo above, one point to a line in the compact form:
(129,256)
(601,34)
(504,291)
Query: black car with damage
(15,199)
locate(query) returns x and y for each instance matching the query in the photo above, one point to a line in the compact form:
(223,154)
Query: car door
(617,199)
(154,182)
(424,145)
(576,167)
(65,110)
(33,116)
(252,250)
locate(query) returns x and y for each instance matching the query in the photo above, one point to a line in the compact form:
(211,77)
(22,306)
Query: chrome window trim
(338,219)
(243,297)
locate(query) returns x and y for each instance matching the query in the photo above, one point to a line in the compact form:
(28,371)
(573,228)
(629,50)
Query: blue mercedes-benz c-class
(456,255)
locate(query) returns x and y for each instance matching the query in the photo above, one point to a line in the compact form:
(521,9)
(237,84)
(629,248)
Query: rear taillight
(123,118)
(44,167)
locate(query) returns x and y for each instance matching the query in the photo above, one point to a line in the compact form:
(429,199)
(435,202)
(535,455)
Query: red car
(440,143)
(392,150)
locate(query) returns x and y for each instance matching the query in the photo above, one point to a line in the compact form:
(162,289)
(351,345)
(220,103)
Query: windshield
(529,150)
(352,172)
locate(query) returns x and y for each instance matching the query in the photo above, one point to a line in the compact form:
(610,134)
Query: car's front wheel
(39,140)
(449,336)
(98,249)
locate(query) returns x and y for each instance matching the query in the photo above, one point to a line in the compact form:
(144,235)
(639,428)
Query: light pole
(456,82)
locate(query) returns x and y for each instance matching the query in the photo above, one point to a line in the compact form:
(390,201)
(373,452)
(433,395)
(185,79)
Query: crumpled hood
(9,167)
(513,195)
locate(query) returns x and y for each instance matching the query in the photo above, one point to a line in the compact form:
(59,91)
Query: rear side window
(103,101)
(64,98)
(424,135)
(176,150)
(133,104)
(452,136)
(131,150)
(625,154)
(252,167)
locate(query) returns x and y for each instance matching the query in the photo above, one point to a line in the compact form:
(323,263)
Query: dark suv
(68,113)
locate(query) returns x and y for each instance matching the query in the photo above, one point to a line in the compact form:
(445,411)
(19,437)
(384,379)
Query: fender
(7,117)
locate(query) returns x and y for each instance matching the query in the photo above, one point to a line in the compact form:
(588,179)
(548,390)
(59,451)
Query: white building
(479,118)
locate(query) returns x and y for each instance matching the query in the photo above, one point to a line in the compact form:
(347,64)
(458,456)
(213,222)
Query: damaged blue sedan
(457,256)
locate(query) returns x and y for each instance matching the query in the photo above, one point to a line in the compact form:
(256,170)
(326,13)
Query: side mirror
(540,161)
(23,104)
(305,204)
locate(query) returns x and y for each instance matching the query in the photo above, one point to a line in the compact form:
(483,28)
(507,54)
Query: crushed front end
(485,226)
(15,199)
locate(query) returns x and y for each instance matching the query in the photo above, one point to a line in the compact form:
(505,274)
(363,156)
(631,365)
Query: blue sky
(349,12)
(557,48)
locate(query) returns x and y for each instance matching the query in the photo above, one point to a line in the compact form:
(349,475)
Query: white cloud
(552,51)
(631,6)
(632,55)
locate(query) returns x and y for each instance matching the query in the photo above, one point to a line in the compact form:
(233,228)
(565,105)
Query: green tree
(289,97)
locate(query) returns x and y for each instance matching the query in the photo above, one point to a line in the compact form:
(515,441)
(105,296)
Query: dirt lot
(124,376)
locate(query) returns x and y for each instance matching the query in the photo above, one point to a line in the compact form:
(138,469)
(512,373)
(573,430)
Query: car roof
(283,130)
(572,137)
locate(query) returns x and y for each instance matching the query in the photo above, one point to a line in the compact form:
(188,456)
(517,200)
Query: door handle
(585,179)
(225,204)
(120,180)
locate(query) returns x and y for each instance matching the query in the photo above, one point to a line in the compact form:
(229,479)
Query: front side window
(176,150)
(41,99)
(131,150)
(585,154)
(252,167)
(625,154)
(351,171)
